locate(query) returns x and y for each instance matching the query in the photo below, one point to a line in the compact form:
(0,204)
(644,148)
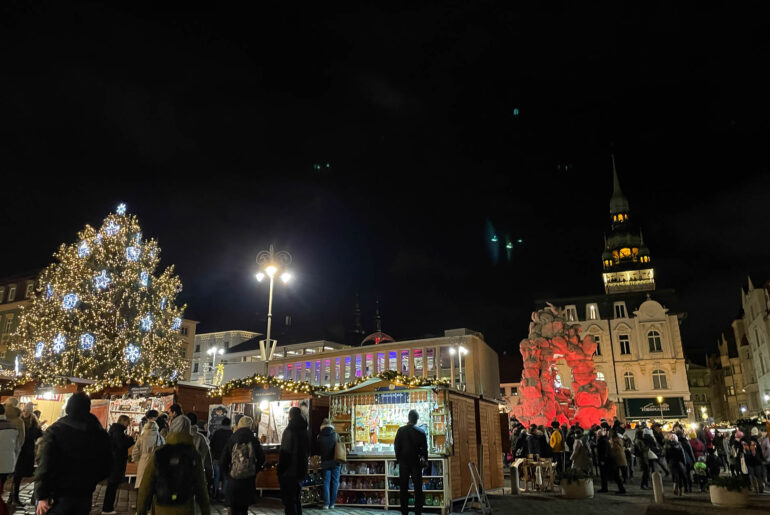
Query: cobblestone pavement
(635,502)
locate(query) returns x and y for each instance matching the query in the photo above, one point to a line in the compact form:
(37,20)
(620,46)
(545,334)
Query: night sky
(208,122)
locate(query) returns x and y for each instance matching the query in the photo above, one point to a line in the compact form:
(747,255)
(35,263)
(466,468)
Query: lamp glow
(463,350)
(263,405)
(452,351)
(286,277)
(270,271)
(660,399)
(260,276)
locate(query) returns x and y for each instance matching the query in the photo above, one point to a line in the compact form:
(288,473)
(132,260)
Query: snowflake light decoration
(132,253)
(112,228)
(86,341)
(48,291)
(132,353)
(83,249)
(98,239)
(175,375)
(102,280)
(39,350)
(177,324)
(146,322)
(58,343)
(144,279)
(138,238)
(163,303)
(69,301)
(121,210)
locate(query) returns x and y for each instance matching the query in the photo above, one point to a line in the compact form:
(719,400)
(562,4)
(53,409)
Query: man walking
(75,456)
(218,442)
(608,466)
(411,446)
(120,443)
(292,461)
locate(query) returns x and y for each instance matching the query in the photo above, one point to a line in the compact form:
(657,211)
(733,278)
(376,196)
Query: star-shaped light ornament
(98,239)
(48,291)
(69,301)
(177,324)
(86,341)
(121,210)
(58,343)
(83,249)
(146,322)
(132,253)
(102,280)
(132,353)
(39,350)
(112,228)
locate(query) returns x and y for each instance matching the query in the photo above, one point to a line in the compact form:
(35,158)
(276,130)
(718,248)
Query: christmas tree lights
(103,311)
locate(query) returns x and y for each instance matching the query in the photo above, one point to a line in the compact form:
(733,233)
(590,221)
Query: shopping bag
(340,453)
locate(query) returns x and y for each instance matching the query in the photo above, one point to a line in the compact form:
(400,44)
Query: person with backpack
(173,479)
(327,440)
(120,443)
(75,457)
(292,461)
(411,447)
(240,460)
(219,440)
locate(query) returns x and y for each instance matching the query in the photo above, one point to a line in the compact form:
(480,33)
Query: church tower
(626,261)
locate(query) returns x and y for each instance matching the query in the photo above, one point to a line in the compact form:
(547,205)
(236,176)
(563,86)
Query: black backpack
(175,469)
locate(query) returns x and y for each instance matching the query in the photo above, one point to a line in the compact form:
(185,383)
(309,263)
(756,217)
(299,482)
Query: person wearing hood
(292,461)
(148,441)
(75,456)
(241,460)
(689,459)
(120,442)
(533,441)
(327,440)
(201,443)
(675,457)
(173,479)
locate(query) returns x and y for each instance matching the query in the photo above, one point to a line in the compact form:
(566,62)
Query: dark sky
(207,122)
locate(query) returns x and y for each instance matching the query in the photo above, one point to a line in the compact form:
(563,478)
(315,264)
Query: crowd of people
(688,456)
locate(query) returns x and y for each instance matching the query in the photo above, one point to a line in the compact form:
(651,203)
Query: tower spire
(618,201)
(378,318)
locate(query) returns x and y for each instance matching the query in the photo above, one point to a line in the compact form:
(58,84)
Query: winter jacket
(605,453)
(241,492)
(25,463)
(520,448)
(201,444)
(13,415)
(120,443)
(146,444)
(698,448)
(9,444)
(689,455)
(218,441)
(147,489)
(581,457)
(556,441)
(764,444)
(75,456)
(327,440)
(409,445)
(295,449)
(619,451)
(674,453)
(533,444)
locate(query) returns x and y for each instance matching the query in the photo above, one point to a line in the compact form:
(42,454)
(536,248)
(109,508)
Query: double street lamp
(272,263)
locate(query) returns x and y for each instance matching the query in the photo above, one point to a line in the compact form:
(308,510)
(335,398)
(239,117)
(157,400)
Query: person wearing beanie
(75,456)
(25,463)
(174,480)
(292,461)
(218,442)
(201,443)
(327,440)
(241,460)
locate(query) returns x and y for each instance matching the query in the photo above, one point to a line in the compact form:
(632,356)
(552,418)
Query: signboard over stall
(270,394)
(648,407)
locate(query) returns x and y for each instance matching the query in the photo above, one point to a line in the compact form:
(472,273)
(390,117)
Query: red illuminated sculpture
(551,338)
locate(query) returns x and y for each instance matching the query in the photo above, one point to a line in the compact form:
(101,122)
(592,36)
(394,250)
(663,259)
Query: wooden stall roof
(237,395)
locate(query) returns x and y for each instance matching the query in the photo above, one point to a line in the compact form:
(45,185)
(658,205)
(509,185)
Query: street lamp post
(660,404)
(271,262)
(213,351)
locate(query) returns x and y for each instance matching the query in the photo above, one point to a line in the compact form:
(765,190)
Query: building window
(659,380)
(502,391)
(653,338)
(8,324)
(195,368)
(30,286)
(598,341)
(197,347)
(625,344)
(620,310)
(600,376)
(628,378)
(514,390)
(572,314)
(2,294)
(592,312)
(11,293)
(183,331)
(557,381)
(730,390)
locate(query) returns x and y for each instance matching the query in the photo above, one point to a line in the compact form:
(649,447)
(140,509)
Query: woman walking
(241,460)
(327,439)
(676,461)
(25,465)
(146,444)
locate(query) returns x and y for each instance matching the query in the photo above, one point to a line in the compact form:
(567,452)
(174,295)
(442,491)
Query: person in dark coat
(608,465)
(675,456)
(75,457)
(120,442)
(241,492)
(292,461)
(410,445)
(219,440)
(25,463)
(533,442)
(327,440)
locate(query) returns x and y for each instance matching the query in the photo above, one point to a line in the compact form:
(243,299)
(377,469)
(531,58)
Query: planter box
(578,489)
(721,496)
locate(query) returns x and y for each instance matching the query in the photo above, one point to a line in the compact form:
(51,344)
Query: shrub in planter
(576,484)
(732,492)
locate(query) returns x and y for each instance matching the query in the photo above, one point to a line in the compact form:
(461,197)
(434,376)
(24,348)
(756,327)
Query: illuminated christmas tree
(102,313)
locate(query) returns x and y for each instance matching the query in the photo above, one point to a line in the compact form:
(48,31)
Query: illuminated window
(348,374)
(11,293)
(628,377)
(358,365)
(393,360)
(620,310)
(557,381)
(659,380)
(405,362)
(418,362)
(369,363)
(653,338)
(592,312)
(615,255)
(572,314)
(308,371)
(430,361)
(614,218)
(317,372)
(381,362)
(337,368)
(625,344)
(327,372)
(30,286)
(625,252)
